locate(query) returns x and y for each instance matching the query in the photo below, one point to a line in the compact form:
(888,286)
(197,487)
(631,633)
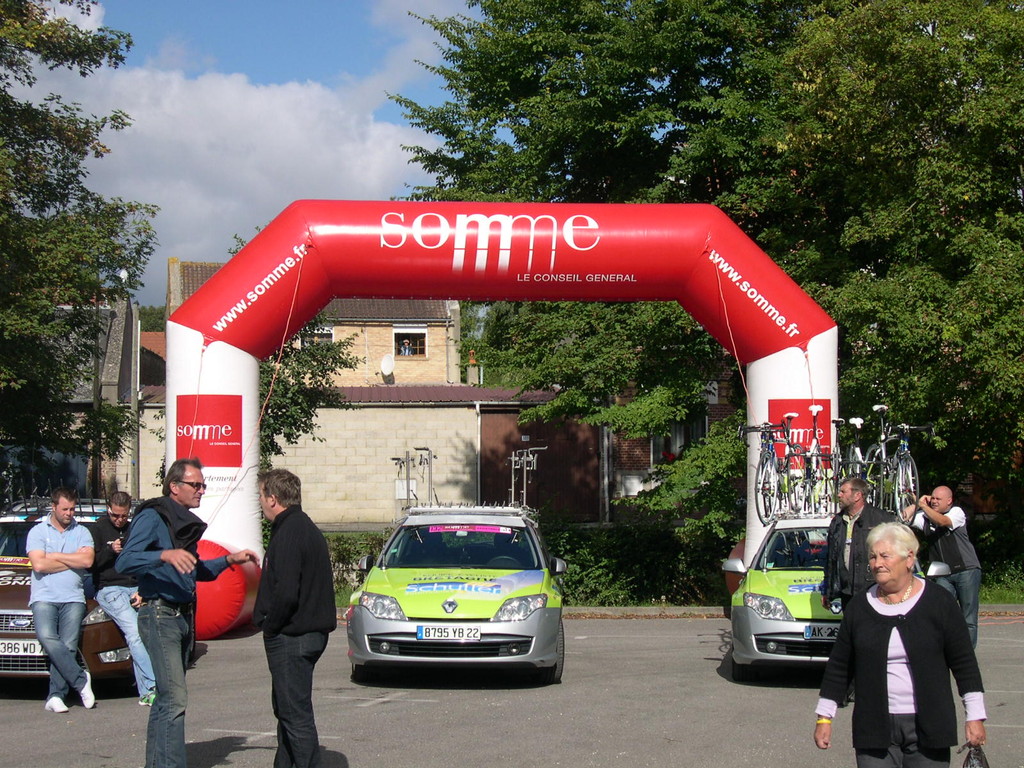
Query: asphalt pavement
(640,691)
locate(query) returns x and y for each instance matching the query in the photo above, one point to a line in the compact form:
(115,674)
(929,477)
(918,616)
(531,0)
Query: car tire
(744,673)
(362,674)
(553,675)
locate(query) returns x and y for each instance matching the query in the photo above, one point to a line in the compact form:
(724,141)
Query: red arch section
(318,249)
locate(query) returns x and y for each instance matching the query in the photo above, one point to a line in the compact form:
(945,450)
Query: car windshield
(12,539)
(463,546)
(795,548)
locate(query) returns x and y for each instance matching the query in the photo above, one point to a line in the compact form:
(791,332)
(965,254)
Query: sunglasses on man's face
(194,483)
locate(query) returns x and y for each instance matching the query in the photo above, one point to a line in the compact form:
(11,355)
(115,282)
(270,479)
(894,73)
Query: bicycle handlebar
(929,428)
(762,428)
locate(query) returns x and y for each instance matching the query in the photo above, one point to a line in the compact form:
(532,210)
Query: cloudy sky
(239,107)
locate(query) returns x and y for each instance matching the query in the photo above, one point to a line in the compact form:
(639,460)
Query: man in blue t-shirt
(61,551)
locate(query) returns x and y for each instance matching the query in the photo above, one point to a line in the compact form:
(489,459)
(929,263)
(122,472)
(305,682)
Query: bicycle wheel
(825,491)
(796,491)
(853,465)
(906,486)
(874,475)
(767,491)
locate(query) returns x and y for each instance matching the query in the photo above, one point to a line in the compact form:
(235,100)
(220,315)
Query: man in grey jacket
(945,528)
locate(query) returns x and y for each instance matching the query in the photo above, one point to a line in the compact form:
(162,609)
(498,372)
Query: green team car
(460,586)
(777,615)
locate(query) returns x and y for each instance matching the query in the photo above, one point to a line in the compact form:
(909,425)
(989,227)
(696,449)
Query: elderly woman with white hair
(897,642)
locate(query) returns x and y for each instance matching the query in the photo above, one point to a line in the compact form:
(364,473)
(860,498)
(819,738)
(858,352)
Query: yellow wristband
(823,721)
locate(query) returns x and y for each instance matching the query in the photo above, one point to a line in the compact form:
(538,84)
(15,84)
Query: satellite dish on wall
(387,368)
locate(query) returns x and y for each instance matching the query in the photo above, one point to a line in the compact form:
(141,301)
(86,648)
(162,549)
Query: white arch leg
(212,413)
(787,375)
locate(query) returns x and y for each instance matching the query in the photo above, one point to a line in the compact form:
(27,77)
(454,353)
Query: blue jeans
(58,626)
(965,586)
(167,635)
(117,602)
(291,660)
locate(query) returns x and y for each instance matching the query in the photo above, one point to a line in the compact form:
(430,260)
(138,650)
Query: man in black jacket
(116,592)
(296,611)
(847,570)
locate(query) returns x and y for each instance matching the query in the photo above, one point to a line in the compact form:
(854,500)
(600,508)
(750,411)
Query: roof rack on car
(789,514)
(511,510)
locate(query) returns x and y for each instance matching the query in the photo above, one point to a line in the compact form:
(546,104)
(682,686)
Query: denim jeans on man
(58,626)
(167,635)
(291,660)
(117,602)
(965,586)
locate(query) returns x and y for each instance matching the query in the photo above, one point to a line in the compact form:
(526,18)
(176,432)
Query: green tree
(153,319)
(64,250)
(904,140)
(873,149)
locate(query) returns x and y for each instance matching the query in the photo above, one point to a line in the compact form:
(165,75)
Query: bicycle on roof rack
(818,491)
(775,477)
(892,478)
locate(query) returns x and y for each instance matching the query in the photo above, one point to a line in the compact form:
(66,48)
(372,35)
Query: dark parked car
(102,646)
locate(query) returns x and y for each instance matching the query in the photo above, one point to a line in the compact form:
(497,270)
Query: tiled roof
(154,341)
(387,309)
(153,394)
(414,394)
(441,393)
(194,274)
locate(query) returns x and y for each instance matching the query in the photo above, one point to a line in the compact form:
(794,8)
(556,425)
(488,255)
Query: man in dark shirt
(296,610)
(115,591)
(847,570)
(162,553)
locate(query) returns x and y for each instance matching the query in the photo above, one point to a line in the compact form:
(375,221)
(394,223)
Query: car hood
(477,593)
(799,590)
(15,583)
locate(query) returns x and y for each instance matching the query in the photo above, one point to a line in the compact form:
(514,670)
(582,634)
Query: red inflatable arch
(317,249)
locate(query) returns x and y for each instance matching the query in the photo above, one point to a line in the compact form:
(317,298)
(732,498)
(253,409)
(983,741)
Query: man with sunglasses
(115,591)
(162,552)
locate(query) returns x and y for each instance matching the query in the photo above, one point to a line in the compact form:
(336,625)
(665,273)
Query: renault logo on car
(449,605)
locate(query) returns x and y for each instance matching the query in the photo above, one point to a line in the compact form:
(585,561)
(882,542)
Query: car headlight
(96,616)
(382,606)
(767,607)
(519,608)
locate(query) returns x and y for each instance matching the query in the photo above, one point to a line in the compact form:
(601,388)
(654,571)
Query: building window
(410,341)
(666,448)
(322,335)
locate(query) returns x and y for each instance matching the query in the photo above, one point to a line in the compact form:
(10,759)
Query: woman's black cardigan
(936,639)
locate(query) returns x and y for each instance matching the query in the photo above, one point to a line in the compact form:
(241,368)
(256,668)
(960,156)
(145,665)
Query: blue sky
(239,108)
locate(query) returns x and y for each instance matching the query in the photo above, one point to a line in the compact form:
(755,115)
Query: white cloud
(222,156)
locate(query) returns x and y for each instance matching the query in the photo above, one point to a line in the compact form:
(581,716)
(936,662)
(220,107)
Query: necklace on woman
(906,595)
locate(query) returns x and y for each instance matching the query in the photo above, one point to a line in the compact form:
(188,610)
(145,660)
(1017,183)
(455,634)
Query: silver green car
(777,615)
(460,586)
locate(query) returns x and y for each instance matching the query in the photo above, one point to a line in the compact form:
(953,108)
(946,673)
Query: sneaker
(147,700)
(55,704)
(88,699)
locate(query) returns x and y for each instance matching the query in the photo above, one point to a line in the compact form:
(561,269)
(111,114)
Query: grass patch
(1003,584)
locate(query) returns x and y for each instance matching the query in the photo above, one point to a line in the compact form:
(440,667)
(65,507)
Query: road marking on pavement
(388,698)
(251,736)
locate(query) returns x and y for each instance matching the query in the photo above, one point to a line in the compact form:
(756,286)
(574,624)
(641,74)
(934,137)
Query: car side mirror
(558,566)
(365,563)
(938,568)
(734,565)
